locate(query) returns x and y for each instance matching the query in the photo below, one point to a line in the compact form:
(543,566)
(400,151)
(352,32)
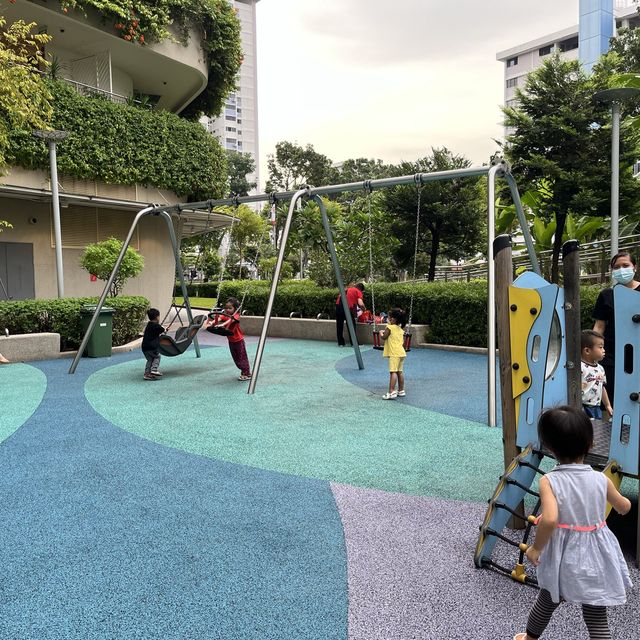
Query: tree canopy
(100,258)
(560,133)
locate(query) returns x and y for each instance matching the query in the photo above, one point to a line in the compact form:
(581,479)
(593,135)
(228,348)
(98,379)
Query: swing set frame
(500,169)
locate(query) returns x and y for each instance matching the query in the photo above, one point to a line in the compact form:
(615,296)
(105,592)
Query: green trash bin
(99,345)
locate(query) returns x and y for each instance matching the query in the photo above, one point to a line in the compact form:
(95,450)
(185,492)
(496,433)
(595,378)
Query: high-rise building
(522,59)
(237,127)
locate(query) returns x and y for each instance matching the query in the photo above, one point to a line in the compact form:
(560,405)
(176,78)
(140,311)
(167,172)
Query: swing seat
(406,343)
(218,331)
(171,347)
(376,340)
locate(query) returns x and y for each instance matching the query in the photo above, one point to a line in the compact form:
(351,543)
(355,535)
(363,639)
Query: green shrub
(63,316)
(456,312)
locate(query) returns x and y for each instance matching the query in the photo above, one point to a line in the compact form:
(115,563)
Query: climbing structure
(538,334)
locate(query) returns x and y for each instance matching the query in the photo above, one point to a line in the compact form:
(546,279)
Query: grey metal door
(16,271)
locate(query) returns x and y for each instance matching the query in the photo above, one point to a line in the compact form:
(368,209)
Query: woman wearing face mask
(623,271)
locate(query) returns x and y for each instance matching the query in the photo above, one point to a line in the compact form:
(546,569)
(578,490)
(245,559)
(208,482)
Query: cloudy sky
(390,78)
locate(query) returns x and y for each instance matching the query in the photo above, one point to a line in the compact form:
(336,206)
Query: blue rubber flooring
(107,535)
(448,382)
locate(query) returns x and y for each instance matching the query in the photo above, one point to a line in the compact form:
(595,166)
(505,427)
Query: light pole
(615,97)
(51,137)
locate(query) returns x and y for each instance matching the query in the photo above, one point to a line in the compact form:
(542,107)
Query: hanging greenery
(121,144)
(143,21)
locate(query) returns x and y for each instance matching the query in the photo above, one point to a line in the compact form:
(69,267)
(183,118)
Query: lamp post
(615,97)
(51,137)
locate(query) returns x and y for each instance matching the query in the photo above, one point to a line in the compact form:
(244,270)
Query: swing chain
(223,264)
(368,191)
(418,180)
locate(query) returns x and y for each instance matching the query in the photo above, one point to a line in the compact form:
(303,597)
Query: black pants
(594,617)
(340,320)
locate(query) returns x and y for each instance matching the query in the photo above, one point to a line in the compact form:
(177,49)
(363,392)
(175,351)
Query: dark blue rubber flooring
(448,382)
(99,541)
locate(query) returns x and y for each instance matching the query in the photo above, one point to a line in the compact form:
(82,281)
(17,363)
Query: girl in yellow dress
(393,337)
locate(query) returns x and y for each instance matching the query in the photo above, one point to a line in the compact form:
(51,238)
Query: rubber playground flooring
(184,508)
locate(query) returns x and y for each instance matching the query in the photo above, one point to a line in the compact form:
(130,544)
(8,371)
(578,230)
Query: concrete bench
(25,347)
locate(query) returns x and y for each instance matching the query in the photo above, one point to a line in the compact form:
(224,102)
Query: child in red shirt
(236,338)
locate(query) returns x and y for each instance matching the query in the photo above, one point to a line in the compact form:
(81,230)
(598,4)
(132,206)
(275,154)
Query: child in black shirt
(151,345)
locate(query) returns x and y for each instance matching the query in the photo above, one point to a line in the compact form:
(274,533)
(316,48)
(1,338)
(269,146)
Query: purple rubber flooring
(411,575)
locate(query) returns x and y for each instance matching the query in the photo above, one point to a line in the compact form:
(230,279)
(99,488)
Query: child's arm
(621,504)
(385,333)
(606,402)
(547,523)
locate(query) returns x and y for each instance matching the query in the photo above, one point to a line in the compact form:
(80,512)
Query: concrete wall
(155,282)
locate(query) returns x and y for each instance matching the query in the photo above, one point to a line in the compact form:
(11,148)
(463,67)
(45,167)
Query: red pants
(239,355)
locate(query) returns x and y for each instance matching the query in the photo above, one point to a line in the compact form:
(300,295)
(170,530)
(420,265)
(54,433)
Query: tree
(25,101)
(560,134)
(250,228)
(452,213)
(292,166)
(100,258)
(239,166)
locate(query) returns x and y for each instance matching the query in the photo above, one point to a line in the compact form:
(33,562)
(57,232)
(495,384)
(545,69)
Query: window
(239,144)
(230,140)
(569,45)
(511,103)
(239,120)
(232,129)
(545,51)
(512,82)
(231,118)
(512,62)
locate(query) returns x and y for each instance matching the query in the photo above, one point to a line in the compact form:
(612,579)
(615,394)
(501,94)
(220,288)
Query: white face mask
(623,275)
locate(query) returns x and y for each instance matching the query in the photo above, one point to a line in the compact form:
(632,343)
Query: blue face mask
(623,275)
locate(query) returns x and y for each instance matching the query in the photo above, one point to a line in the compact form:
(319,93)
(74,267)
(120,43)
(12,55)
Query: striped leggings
(594,617)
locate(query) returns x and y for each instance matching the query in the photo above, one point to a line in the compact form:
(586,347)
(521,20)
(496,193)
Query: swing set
(499,169)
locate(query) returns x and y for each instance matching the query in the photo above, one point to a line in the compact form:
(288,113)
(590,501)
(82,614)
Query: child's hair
(234,303)
(360,286)
(622,254)
(399,316)
(567,431)
(588,338)
(153,314)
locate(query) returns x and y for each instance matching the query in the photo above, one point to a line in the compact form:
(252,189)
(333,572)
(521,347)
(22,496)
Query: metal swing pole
(272,292)
(336,268)
(107,287)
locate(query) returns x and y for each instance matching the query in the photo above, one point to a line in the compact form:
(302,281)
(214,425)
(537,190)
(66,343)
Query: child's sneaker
(157,374)
(244,377)
(148,376)
(402,394)
(390,396)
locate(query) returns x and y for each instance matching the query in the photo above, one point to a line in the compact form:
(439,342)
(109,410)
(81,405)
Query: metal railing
(594,262)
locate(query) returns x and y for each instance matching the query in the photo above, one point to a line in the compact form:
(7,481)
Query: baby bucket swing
(407,332)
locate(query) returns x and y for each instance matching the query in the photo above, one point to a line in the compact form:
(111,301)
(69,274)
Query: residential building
(93,58)
(524,58)
(237,126)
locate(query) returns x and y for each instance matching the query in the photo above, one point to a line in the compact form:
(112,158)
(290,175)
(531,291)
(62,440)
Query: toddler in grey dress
(578,558)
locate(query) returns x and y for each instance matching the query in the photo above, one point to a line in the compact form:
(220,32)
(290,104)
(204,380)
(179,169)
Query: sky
(390,79)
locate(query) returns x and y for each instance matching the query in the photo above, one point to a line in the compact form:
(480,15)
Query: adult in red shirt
(354,300)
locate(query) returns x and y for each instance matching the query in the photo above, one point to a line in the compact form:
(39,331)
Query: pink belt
(575,527)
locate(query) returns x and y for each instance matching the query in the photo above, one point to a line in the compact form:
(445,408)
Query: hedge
(456,312)
(63,316)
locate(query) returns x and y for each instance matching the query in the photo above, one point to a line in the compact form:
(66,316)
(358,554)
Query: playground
(186,508)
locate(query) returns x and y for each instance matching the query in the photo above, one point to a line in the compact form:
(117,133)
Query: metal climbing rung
(513,512)
(491,532)
(521,486)
(524,463)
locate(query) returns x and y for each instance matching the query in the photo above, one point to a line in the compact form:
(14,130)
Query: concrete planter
(309,329)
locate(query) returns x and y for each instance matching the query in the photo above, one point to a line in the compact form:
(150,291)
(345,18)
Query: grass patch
(203,303)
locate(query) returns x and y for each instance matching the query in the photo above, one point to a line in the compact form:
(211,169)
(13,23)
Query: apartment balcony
(92,53)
